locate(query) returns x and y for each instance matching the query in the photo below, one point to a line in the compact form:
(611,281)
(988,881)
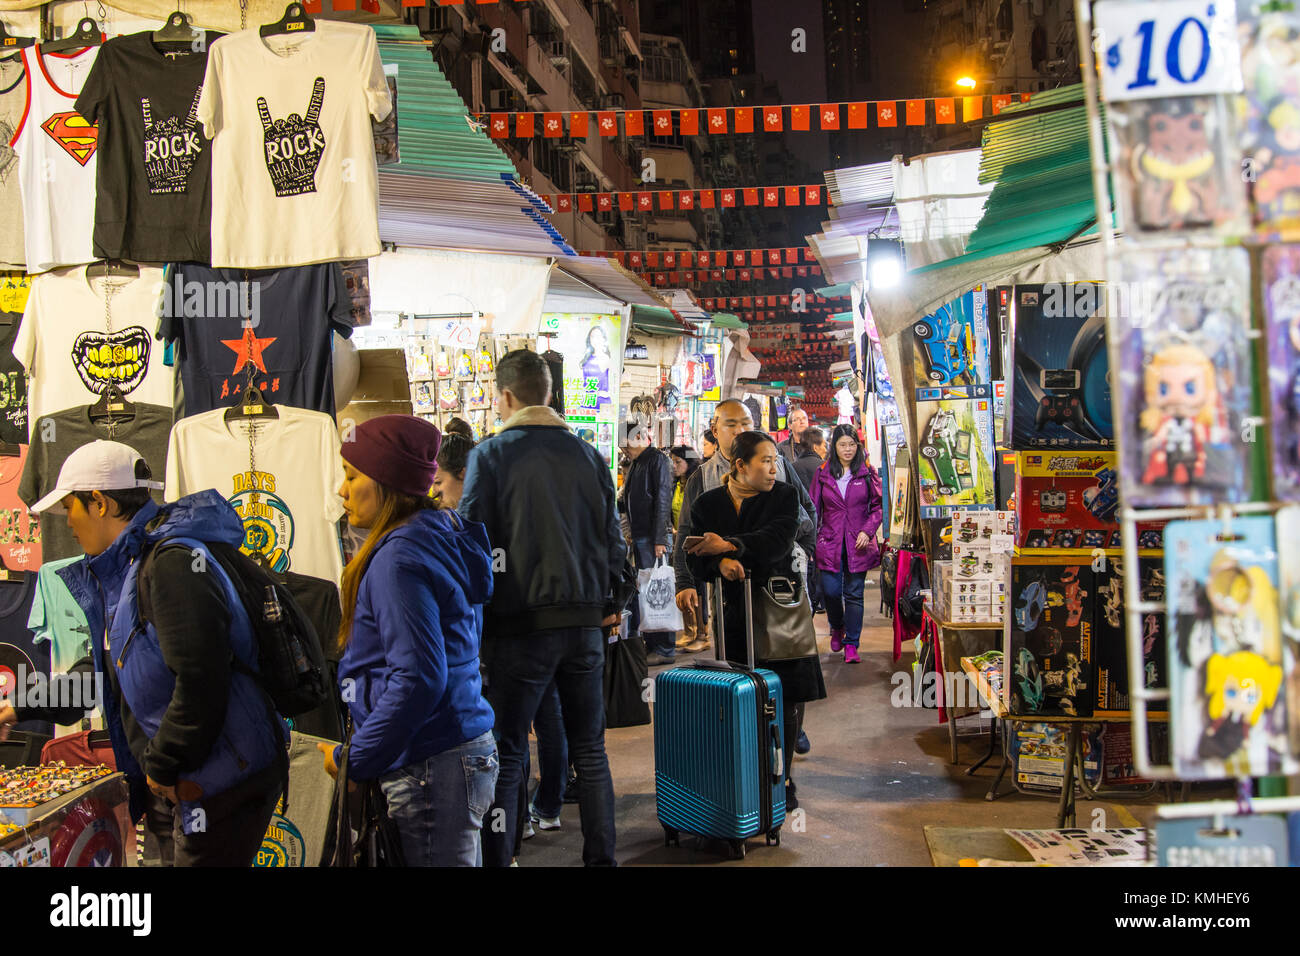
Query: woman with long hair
(846,493)
(747,529)
(412,607)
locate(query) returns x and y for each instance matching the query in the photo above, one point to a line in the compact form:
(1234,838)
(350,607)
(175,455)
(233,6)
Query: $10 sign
(1168,48)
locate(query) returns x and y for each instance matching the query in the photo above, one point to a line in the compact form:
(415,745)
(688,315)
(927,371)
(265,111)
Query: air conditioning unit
(558,51)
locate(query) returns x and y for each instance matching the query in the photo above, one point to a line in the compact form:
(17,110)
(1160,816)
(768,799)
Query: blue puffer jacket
(410,673)
(105,588)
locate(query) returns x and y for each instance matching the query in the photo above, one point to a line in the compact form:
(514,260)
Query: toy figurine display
(1051,638)
(1228,666)
(1281,268)
(1270,60)
(1184,381)
(1288,569)
(1179,166)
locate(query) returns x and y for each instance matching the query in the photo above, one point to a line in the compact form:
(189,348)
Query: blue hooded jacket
(410,673)
(105,588)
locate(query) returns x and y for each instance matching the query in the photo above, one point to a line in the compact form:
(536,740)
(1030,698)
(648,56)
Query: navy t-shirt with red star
(277,322)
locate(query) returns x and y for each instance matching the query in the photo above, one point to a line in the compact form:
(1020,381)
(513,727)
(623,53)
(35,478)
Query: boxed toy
(1270,60)
(955,454)
(1282,307)
(1229,669)
(1060,386)
(1038,752)
(1049,649)
(1067,500)
(951,348)
(1110,636)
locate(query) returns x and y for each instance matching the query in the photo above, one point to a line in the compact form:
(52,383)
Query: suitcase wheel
(774,837)
(671,838)
(737,849)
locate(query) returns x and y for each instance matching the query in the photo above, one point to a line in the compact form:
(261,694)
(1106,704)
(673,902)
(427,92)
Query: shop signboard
(593,366)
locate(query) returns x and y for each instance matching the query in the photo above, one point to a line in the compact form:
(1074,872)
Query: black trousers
(235,822)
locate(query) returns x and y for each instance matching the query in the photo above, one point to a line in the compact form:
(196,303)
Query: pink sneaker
(837,641)
(851,655)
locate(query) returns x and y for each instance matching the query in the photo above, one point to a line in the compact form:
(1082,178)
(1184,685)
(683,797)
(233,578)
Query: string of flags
(727,303)
(887,114)
(729,275)
(688,199)
(703,259)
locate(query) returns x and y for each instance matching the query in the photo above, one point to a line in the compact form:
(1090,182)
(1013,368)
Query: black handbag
(377,842)
(625,680)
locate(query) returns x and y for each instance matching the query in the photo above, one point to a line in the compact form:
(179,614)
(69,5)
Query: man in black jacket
(548,502)
(795,447)
(647,500)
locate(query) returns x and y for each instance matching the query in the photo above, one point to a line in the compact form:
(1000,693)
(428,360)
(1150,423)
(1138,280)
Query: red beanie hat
(397,451)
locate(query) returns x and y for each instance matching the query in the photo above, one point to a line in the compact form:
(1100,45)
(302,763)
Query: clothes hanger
(86,34)
(295,20)
(112,407)
(112,268)
(179,28)
(9,42)
(252,404)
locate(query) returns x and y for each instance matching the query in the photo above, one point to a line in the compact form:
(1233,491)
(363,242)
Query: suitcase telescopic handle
(719,648)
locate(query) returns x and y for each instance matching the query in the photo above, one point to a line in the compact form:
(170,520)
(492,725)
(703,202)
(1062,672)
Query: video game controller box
(1049,651)
(1060,380)
(1067,500)
(1110,636)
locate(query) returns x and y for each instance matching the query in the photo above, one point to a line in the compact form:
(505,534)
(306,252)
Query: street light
(967,82)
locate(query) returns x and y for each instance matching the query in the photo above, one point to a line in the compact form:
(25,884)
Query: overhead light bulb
(885,273)
(967,82)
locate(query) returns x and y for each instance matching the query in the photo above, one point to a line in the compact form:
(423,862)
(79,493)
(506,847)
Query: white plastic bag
(657,594)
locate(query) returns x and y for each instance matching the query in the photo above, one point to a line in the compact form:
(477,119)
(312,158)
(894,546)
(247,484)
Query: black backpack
(291,667)
(911,606)
(888,580)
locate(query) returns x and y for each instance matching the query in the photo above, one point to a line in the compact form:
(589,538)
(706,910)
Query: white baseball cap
(98,466)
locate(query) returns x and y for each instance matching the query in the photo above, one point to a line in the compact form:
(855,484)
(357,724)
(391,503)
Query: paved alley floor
(876,776)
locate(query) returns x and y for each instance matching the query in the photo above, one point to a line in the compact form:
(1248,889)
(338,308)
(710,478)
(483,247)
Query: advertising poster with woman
(592,346)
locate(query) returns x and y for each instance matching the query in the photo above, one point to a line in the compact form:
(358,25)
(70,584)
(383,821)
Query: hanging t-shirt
(20,655)
(13,103)
(73,344)
(20,531)
(287,495)
(847,405)
(282,326)
(58,624)
(59,435)
(154,190)
(294,179)
(57,152)
(14,289)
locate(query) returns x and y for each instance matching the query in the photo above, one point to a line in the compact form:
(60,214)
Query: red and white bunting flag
(500,125)
(744,119)
(812,195)
(706,199)
(717,121)
(830,115)
(634,123)
(738,257)
(689,121)
(578,125)
(552,124)
(564,202)
(751,196)
(728,198)
(887,113)
(636,260)
(584,202)
(1000,102)
(670,260)
(857,116)
(799,117)
(772,119)
(945,110)
(605,202)
(524,125)
(916,112)
(607,123)
(774,256)
(972,108)
(792,195)
(686,200)
(645,202)
(663,120)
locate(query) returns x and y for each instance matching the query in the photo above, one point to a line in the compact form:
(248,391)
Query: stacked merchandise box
(1050,638)
(1038,753)
(1110,635)
(981,562)
(1067,499)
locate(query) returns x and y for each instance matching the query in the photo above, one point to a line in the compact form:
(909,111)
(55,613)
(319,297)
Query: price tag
(1157,48)
(458,334)
(252,409)
(1002,543)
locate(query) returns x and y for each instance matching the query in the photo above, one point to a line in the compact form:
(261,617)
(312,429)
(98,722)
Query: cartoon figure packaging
(1227,665)
(1281,268)
(1270,60)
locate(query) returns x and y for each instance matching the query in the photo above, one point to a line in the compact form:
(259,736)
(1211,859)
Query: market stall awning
(862,198)
(454,188)
(659,321)
(608,278)
(726,320)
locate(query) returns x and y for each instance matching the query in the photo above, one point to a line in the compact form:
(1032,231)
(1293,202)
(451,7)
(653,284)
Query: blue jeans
(438,803)
(663,643)
(519,671)
(552,755)
(842,594)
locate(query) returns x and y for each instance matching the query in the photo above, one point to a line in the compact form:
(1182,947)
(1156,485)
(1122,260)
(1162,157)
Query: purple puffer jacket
(839,521)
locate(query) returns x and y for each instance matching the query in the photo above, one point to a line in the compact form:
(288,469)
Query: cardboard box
(1067,500)
(358,412)
(1050,649)
(955,454)
(383,376)
(1113,681)
(1060,383)
(950,347)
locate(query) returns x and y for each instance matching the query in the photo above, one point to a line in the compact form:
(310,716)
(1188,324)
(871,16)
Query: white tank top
(56,161)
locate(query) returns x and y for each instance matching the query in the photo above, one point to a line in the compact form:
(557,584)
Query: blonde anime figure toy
(1182,400)
(1240,689)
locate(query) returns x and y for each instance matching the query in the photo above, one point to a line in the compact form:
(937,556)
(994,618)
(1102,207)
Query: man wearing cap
(184,721)
(548,501)
(646,506)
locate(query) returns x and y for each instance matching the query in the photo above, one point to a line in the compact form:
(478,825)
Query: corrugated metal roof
(1042,170)
(863,206)
(608,277)
(454,188)
(658,321)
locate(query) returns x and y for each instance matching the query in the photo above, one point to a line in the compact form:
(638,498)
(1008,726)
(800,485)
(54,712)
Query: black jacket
(648,496)
(763,531)
(805,466)
(548,503)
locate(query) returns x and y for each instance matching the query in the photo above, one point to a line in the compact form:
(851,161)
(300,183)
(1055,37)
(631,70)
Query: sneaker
(802,744)
(851,655)
(699,645)
(654,659)
(529,832)
(543,823)
(837,641)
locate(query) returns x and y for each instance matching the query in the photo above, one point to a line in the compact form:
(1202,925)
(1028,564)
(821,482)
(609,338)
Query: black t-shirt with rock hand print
(153,198)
